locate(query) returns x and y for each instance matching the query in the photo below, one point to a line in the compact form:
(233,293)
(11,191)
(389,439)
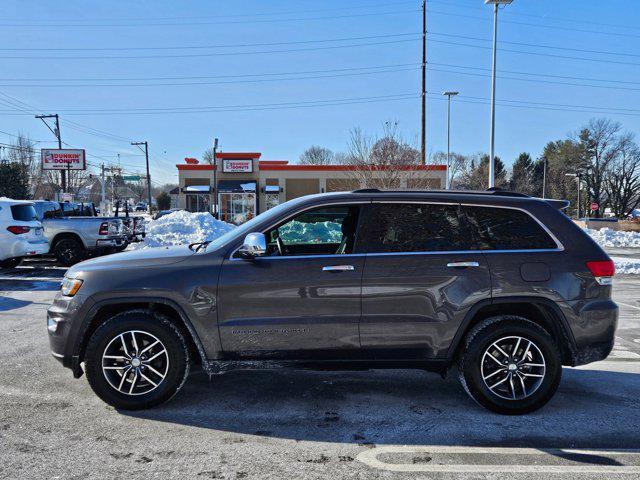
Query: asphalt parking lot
(299,424)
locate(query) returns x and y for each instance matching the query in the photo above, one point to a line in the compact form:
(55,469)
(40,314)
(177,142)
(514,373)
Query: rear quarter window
(507,229)
(23,213)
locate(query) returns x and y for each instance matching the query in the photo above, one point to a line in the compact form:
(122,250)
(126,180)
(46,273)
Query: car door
(303,296)
(422,275)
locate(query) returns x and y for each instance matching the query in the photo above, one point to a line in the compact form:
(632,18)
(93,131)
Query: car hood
(146,257)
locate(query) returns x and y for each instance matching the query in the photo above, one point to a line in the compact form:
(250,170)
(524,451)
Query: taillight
(602,270)
(104,228)
(18,229)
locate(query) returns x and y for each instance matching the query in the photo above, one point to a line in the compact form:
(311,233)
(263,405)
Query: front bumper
(63,323)
(594,331)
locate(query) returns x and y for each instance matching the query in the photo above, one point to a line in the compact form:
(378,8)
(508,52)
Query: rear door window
(23,213)
(507,229)
(414,227)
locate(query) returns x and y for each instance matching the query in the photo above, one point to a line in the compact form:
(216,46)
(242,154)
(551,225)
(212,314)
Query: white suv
(21,233)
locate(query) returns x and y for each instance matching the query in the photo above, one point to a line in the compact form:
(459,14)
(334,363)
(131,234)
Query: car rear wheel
(69,251)
(10,262)
(137,360)
(510,365)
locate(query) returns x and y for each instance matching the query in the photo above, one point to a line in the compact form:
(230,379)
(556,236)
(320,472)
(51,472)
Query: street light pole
(495,4)
(449,94)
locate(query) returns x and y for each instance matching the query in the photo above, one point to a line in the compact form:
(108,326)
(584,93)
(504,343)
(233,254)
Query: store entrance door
(237,208)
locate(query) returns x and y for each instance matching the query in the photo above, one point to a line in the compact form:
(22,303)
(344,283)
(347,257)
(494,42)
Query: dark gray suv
(503,286)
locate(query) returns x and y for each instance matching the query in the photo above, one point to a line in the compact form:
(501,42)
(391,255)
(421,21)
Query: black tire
(534,391)
(155,325)
(69,251)
(11,262)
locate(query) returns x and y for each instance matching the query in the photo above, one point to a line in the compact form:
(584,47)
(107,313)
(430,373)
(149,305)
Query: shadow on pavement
(592,409)
(7,304)
(29,285)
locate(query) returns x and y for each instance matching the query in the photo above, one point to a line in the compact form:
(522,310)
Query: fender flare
(80,345)
(565,329)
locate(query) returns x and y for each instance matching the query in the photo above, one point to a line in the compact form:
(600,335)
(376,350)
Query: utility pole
(146,154)
(423,137)
(103,202)
(215,183)
(56,132)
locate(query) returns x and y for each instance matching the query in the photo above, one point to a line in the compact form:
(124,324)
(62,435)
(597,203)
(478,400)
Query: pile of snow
(627,266)
(183,228)
(606,237)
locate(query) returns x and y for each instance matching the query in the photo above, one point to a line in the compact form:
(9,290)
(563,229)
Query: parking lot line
(370,457)
(627,305)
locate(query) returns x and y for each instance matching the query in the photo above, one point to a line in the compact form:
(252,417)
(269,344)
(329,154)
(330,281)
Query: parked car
(21,234)
(73,239)
(162,213)
(141,207)
(502,286)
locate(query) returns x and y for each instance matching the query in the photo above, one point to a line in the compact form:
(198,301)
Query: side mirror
(255,245)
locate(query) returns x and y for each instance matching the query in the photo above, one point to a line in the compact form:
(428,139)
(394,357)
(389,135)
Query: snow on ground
(627,265)
(180,228)
(607,237)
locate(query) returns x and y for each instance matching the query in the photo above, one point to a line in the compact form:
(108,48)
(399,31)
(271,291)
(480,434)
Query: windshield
(251,226)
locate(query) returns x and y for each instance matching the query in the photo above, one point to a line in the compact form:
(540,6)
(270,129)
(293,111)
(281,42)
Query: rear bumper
(594,331)
(25,248)
(111,242)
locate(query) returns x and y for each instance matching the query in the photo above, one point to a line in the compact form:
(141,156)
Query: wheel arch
(541,311)
(106,309)
(63,235)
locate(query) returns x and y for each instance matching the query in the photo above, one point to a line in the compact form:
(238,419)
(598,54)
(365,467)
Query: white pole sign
(65,159)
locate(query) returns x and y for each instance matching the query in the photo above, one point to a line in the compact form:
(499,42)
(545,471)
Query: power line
(191,24)
(210,77)
(539,45)
(367,6)
(238,80)
(548,55)
(206,47)
(195,55)
(267,106)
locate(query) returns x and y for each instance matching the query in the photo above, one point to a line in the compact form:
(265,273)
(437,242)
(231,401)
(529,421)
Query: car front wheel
(137,360)
(510,365)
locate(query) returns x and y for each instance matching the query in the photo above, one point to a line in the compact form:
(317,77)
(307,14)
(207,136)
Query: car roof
(11,201)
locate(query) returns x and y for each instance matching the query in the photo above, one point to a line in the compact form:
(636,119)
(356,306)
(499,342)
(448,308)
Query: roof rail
(494,191)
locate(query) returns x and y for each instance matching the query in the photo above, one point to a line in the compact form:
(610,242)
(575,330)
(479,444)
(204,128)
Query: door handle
(338,268)
(462,264)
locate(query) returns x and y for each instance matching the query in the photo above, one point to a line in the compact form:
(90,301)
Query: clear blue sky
(67,43)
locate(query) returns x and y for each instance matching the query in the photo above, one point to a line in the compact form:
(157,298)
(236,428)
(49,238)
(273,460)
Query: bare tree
(622,180)
(387,162)
(602,142)
(458,163)
(475,176)
(316,155)
(208,156)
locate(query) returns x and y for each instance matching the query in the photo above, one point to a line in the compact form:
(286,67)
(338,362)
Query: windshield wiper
(199,245)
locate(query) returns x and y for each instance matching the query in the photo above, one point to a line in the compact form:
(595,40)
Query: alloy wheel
(135,362)
(513,368)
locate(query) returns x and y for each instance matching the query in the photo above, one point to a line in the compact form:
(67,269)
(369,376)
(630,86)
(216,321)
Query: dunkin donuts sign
(237,166)
(65,159)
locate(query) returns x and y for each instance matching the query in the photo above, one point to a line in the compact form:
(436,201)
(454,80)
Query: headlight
(70,286)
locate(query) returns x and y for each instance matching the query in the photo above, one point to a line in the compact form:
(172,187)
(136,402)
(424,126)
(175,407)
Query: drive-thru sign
(65,159)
